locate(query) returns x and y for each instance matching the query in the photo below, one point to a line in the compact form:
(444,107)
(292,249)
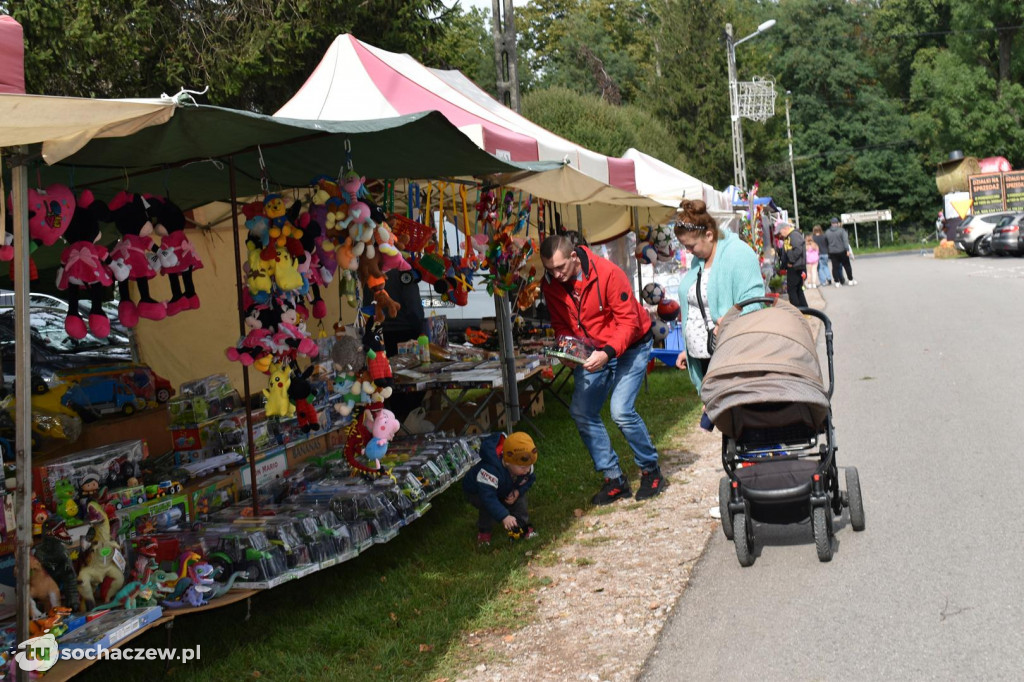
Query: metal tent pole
(23,393)
(241,330)
(502,308)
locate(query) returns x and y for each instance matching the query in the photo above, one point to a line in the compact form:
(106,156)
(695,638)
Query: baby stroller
(764,391)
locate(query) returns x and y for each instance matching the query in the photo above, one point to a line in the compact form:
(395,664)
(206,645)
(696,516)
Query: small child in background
(812,257)
(497,485)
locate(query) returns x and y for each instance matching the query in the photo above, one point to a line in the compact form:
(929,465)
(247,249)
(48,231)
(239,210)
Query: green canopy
(186,157)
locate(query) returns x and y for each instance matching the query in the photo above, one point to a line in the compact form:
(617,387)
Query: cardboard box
(269,465)
(213,494)
(204,437)
(156,516)
(303,450)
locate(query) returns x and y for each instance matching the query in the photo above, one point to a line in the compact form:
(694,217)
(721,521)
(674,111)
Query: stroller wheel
(856,501)
(822,528)
(744,539)
(724,491)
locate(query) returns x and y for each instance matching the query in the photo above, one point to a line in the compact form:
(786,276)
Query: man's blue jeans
(621,377)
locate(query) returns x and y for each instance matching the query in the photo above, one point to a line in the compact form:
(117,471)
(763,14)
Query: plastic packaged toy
(571,348)
(88,472)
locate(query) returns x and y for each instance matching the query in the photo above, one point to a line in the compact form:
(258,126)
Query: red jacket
(609,315)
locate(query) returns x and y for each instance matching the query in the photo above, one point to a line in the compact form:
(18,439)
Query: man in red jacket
(590,298)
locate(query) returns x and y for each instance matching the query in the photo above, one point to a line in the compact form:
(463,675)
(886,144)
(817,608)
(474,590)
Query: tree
(589,46)
(691,94)
(591,122)
(254,54)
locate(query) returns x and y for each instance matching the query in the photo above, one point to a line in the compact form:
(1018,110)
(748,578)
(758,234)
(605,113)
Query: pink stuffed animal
(363,227)
(50,210)
(385,426)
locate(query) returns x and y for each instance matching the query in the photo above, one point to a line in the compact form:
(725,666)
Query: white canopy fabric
(356,81)
(66,124)
(669,185)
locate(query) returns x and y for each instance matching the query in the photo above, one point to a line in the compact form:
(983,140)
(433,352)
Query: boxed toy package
(66,484)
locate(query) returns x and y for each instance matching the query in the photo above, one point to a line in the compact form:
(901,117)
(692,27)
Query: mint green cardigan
(735,276)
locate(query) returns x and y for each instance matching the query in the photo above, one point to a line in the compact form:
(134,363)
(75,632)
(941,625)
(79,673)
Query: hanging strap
(700,302)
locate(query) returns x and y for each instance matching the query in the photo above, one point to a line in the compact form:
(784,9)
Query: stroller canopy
(765,373)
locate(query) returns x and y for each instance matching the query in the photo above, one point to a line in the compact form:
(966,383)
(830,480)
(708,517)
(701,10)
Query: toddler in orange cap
(497,484)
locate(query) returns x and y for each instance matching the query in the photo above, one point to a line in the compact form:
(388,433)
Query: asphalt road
(928,407)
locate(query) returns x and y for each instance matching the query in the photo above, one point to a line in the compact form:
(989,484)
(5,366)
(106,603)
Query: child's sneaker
(651,483)
(483,539)
(531,533)
(853,282)
(613,489)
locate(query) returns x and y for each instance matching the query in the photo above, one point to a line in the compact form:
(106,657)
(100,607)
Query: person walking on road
(824,271)
(794,258)
(812,257)
(839,253)
(591,298)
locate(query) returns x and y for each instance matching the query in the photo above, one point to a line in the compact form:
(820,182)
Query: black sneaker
(613,489)
(651,483)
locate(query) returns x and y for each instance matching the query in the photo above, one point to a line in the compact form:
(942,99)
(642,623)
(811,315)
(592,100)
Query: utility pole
(739,166)
(792,168)
(503,29)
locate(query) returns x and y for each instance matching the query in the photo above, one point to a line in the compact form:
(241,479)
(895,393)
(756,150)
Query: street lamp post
(792,168)
(739,165)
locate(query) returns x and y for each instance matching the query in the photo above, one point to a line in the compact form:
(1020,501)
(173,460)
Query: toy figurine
(178,257)
(39,515)
(83,268)
(100,564)
(51,622)
(42,588)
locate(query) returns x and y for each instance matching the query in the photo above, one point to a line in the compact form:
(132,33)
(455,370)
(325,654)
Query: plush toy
(299,392)
(359,222)
(391,258)
(487,211)
(256,342)
(380,368)
(83,268)
(260,276)
(278,404)
(50,211)
(286,274)
(178,257)
(309,266)
(134,258)
(385,426)
(292,337)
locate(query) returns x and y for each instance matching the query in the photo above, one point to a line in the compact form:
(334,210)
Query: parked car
(974,236)
(1007,240)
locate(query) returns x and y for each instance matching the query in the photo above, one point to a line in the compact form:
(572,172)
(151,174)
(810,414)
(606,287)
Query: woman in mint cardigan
(729,272)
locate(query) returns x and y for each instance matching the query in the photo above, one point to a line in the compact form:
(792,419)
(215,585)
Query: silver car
(974,235)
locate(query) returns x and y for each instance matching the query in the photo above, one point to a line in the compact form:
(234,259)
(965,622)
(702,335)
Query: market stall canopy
(669,185)
(63,125)
(357,81)
(185,158)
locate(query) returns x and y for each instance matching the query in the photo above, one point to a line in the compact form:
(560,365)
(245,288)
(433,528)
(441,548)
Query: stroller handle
(806,311)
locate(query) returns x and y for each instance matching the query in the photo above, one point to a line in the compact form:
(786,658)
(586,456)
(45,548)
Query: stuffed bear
(83,268)
(134,258)
(178,257)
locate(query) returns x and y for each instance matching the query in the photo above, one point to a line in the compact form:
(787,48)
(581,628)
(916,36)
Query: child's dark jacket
(492,481)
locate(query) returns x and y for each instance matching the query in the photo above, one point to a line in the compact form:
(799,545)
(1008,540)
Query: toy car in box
(83,474)
(117,388)
(156,516)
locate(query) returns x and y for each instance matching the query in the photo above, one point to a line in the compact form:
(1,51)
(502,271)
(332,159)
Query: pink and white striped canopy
(355,81)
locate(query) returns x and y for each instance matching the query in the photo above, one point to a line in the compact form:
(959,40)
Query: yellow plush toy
(285,272)
(278,404)
(260,273)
